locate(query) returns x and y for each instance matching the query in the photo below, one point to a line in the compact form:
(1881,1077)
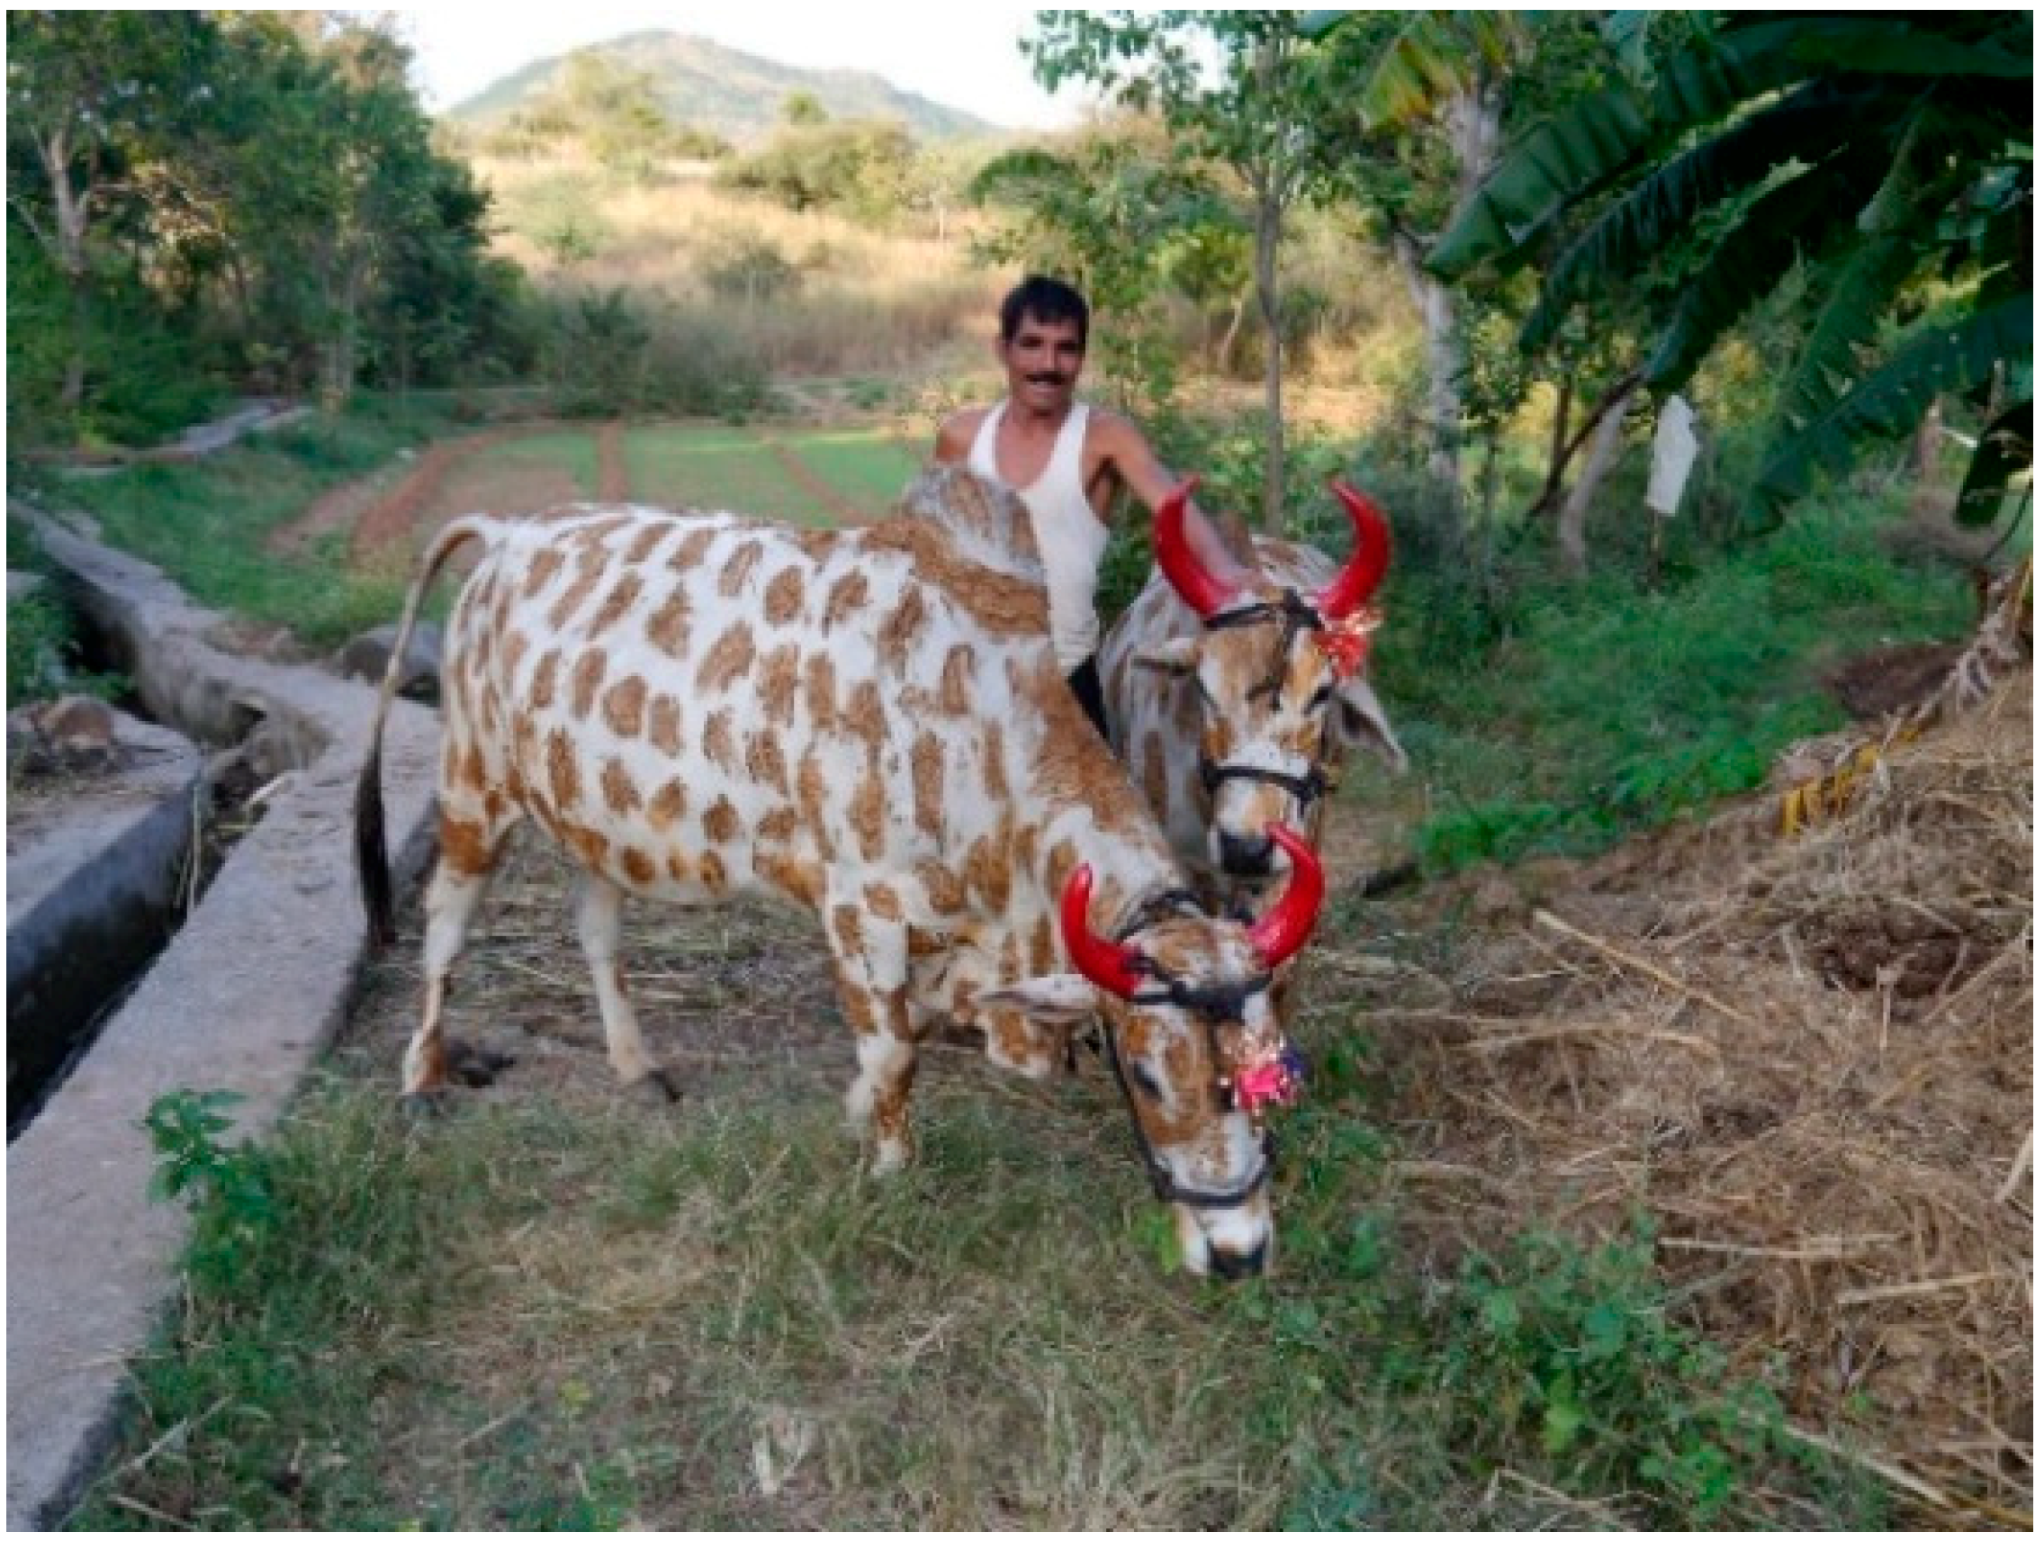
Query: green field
(740,470)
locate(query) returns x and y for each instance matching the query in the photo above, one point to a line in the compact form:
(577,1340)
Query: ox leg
(468,858)
(874,984)
(599,917)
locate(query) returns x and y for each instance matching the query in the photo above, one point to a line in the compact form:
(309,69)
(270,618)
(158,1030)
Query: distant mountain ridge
(738,95)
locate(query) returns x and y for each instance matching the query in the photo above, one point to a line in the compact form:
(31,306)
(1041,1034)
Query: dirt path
(613,479)
(844,511)
(393,519)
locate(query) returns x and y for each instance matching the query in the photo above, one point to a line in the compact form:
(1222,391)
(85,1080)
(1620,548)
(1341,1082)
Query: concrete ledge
(243,1000)
(93,877)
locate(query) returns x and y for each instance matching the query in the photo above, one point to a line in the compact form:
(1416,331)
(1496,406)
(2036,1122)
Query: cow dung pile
(1809,1061)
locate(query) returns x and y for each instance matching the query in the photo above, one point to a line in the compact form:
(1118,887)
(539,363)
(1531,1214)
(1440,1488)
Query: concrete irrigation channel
(243,999)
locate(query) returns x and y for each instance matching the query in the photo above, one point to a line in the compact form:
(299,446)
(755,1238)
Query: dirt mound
(1809,1059)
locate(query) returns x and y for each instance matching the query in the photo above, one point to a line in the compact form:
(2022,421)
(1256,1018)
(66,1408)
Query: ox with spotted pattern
(1228,706)
(868,723)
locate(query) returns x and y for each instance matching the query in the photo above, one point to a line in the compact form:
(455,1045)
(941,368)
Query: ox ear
(1178,656)
(1360,719)
(1052,1000)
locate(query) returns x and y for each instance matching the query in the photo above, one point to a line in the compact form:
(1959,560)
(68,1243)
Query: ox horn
(1111,965)
(1195,585)
(1283,931)
(1358,580)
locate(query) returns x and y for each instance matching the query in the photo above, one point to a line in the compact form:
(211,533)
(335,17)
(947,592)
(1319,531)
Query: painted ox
(871,724)
(1233,708)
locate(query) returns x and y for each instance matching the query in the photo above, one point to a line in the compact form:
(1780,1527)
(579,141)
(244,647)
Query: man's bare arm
(954,438)
(1145,476)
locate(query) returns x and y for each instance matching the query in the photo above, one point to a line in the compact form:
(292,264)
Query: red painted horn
(1357,581)
(1110,965)
(1196,586)
(1283,931)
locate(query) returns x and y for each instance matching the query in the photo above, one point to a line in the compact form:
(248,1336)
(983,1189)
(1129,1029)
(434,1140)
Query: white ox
(871,724)
(1233,708)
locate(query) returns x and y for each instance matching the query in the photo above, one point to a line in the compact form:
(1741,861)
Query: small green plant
(37,638)
(197,1168)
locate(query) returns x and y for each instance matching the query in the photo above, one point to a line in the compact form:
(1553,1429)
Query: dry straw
(1809,1060)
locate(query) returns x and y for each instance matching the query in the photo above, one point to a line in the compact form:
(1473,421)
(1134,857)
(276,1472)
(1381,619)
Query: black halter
(1212,1005)
(1295,615)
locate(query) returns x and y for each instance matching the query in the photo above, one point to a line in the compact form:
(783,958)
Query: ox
(871,724)
(1233,708)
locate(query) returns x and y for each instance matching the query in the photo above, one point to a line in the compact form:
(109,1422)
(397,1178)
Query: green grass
(865,466)
(1600,709)
(206,523)
(572,450)
(716,469)
(541,1316)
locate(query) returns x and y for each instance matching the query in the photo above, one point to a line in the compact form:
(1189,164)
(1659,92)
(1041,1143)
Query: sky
(963,55)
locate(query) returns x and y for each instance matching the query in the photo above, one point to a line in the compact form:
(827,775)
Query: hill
(737,95)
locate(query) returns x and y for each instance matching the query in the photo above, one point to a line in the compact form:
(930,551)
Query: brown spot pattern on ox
(544,566)
(542,693)
(668,625)
(620,792)
(899,631)
(667,807)
(868,816)
(846,595)
(954,694)
(927,775)
(638,866)
(464,846)
(620,599)
(720,748)
(584,681)
(783,599)
(738,567)
(644,542)
(778,672)
(665,727)
(720,822)
(728,657)
(564,770)
(690,551)
(624,707)
(819,686)
(765,762)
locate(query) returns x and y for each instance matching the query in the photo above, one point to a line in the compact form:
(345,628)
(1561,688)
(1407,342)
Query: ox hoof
(472,1065)
(655,1089)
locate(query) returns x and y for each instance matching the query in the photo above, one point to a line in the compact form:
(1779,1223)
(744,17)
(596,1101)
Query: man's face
(1042,360)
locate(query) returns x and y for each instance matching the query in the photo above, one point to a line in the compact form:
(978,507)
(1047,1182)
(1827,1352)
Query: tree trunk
(73,210)
(1269,217)
(1273,361)
(1575,513)
(1443,352)
(1227,349)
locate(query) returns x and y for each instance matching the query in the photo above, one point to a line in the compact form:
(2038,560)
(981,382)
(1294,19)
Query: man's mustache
(1053,378)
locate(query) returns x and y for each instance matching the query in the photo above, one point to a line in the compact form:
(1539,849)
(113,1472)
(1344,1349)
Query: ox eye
(1320,698)
(1145,1082)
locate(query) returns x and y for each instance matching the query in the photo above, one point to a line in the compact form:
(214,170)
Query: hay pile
(1810,1060)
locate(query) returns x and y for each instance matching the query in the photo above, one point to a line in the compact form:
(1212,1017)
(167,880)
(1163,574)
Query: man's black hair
(1047,299)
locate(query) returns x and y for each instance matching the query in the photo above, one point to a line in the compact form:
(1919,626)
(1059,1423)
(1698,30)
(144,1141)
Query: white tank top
(1070,536)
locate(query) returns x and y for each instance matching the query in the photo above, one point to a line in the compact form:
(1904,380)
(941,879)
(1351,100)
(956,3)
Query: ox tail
(372,855)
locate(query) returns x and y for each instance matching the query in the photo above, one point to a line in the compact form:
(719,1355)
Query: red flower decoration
(1346,642)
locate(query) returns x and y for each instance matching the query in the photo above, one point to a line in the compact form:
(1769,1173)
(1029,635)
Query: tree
(93,99)
(1879,153)
(1108,212)
(1248,118)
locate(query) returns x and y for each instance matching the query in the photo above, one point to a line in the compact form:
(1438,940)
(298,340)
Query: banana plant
(1874,151)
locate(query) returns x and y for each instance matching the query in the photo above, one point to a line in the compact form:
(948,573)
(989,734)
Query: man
(1066,460)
